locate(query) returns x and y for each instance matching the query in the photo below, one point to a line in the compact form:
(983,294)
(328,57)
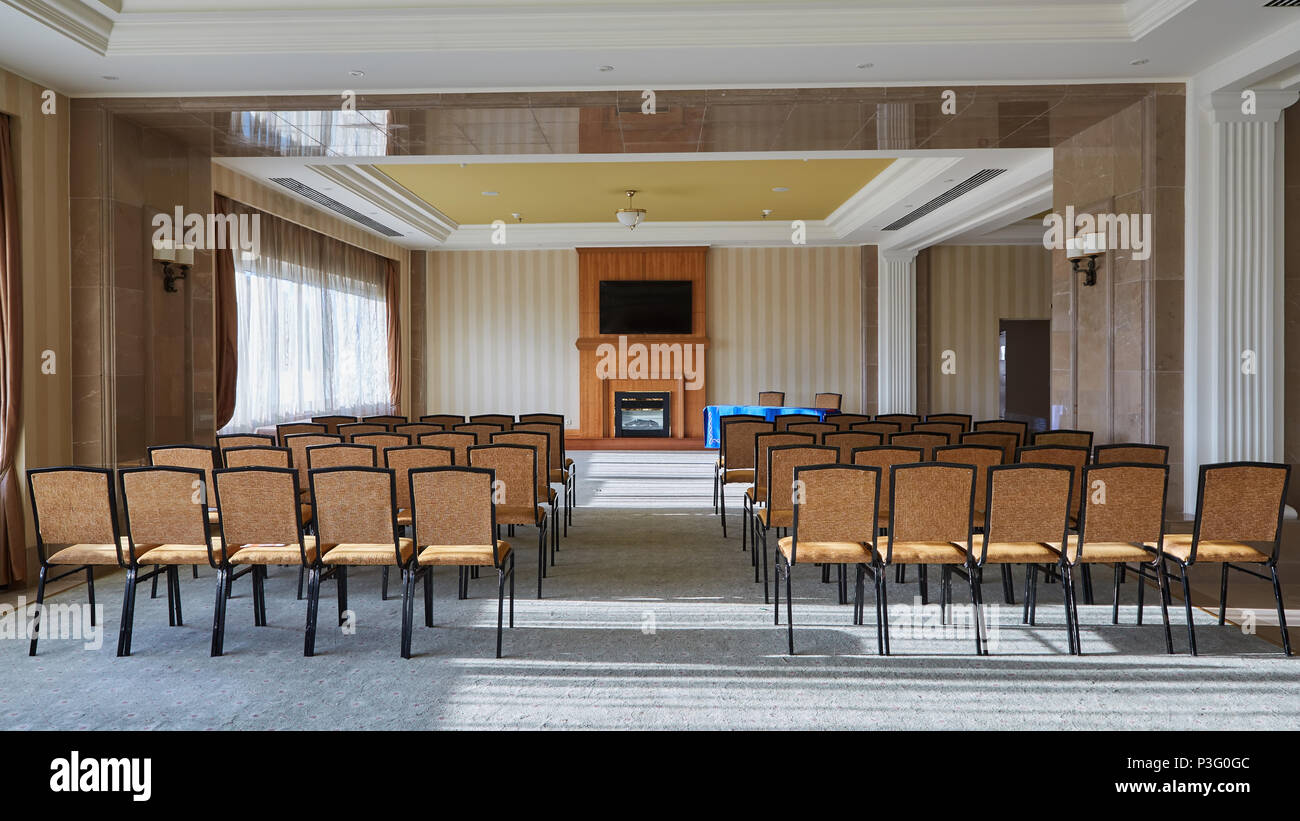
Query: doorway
(1025,370)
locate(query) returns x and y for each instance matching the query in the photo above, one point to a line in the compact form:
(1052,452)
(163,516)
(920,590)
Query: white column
(896,307)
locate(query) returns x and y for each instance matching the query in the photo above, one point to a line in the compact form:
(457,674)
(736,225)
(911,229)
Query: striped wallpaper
(971,288)
(501,332)
(788,319)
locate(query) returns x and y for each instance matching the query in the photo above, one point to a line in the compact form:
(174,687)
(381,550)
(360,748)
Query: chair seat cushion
(367,554)
(827,552)
(1179,546)
(273,553)
(177,553)
(921,552)
(520,515)
(740,475)
(463,554)
(404,518)
(1014,552)
(1105,552)
(97,554)
(777,518)
(568,462)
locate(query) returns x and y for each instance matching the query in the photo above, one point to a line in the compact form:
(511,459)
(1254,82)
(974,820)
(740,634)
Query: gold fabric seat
(775,518)
(827,552)
(559,476)
(404,517)
(922,552)
(367,554)
(518,515)
(1000,552)
(1179,546)
(273,553)
(1106,552)
(177,553)
(88,554)
(738,475)
(479,555)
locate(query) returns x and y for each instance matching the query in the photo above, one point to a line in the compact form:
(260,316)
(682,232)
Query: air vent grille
(970,183)
(334,205)
(1282,4)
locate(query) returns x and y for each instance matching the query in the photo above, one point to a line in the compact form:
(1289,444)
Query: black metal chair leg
(789,603)
(1281,611)
(1187,606)
(194,568)
(776,599)
(1067,588)
(976,597)
(313,605)
(153,590)
(1114,611)
(428,597)
(501,601)
(39,621)
(722,511)
(301,572)
(408,610)
(1087,584)
(90,590)
(1008,585)
(882,607)
(923,573)
(1162,579)
(128,613)
(219,615)
(1223,594)
(341,576)
(383,583)
(1142,594)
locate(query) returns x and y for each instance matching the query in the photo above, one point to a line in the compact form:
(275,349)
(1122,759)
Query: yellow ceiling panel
(670,191)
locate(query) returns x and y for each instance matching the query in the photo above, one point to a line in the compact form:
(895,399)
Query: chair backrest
(982,457)
(1026,503)
(482,431)
(884,429)
(341,455)
(737,441)
(827,401)
(845,421)
(297,428)
(73,505)
(771,398)
(762,443)
(785,420)
(299,442)
(848,441)
(263,457)
(1005,439)
(1020,429)
(243,440)
(927,442)
(505,420)
(905,421)
(357,428)
(460,443)
(781,464)
(1131,452)
(388,420)
(554,432)
(381,441)
(161,506)
(533,439)
(952,430)
(412,457)
(1072,438)
(885,457)
(259,505)
(332,423)
(1073,458)
(557,418)
(415,429)
(963,419)
(453,506)
(930,502)
(817,429)
(444,419)
(1241,502)
(515,467)
(186,456)
(355,505)
(1123,503)
(835,503)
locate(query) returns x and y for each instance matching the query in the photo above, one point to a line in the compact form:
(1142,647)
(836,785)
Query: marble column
(897,332)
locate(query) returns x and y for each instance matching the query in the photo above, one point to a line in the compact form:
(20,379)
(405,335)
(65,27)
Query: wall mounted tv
(645,306)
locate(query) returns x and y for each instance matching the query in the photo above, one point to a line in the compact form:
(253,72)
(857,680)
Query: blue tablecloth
(712,413)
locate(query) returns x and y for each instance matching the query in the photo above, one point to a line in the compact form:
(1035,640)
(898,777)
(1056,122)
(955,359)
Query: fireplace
(642,413)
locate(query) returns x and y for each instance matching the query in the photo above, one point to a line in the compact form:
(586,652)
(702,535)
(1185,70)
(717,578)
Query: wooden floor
(634,443)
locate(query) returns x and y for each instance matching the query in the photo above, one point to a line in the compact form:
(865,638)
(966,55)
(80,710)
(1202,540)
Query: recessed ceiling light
(866,65)
(356,72)
(606,68)
(947,181)
(780,189)
(490,193)
(1141,61)
(109,77)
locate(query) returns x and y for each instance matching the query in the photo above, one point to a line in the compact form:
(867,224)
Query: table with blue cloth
(713,413)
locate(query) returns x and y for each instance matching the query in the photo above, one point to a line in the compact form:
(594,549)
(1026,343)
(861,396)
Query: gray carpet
(651,620)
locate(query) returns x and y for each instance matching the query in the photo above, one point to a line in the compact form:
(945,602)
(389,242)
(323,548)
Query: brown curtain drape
(394,335)
(227,320)
(13,531)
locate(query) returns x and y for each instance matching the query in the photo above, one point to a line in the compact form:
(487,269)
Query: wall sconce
(1089,247)
(176,261)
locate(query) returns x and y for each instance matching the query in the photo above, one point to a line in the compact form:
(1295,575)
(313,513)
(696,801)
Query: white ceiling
(174,47)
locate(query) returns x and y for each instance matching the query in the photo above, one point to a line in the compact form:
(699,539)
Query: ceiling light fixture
(766,211)
(356,72)
(606,68)
(1141,61)
(490,193)
(866,65)
(780,189)
(631,217)
(108,77)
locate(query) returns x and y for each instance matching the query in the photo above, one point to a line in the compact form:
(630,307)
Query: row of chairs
(822,401)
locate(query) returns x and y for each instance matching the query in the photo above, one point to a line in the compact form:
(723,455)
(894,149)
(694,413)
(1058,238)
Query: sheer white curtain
(313,328)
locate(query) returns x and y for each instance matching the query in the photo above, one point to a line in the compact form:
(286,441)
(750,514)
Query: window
(313,329)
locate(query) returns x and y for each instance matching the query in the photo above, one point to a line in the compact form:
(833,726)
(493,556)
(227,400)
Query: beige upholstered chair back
(332,423)
(258,506)
(764,442)
(354,506)
(1069,438)
(554,433)
(1241,502)
(452,506)
(845,421)
(505,421)
(1020,429)
(163,506)
(1131,452)
(533,439)
(905,421)
(1028,503)
(444,419)
(836,504)
(459,442)
(515,467)
(382,441)
(403,460)
(416,429)
(781,465)
(73,506)
(1005,439)
(1123,503)
(827,401)
(299,442)
(927,442)
(482,431)
(885,458)
(981,457)
(817,429)
(243,440)
(296,429)
(932,503)
(1072,457)
(265,457)
(771,398)
(185,456)
(848,441)
(952,430)
(738,442)
(358,428)
(341,455)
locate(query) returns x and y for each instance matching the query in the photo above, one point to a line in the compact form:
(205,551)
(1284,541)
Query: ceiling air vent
(1282,4)
(970,183)
(334,205)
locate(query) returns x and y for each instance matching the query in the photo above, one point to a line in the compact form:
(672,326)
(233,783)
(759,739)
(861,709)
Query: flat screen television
(645,307)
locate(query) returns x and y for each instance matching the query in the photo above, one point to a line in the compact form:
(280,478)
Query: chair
(188,456)
(568,464)
(885,457)
(388,420)
(482,431)
(402,461)
(905,421)
(74,514)
(1073,457)
(382,441)
(356,526)
(778,509)
(460,443)
(542,444)
(1070,438)
(817,429)
(882,429)
(454,521)
(1131,452)
(930,523)
(332,423)
(265,457)
(444,419)
(983,458)
(296,428)
(1239,510)
(340,455)
(963,419)
(848,441)
(1028,507)
(952,430)
(166,527)
(416,429)
(1123,521)
(757,492)
(514,491)
(557,418)
(505,420)
(298,444)
(845,421)
(1020,429)
(261,525)
(927,442)
(242,440)
(1007,440)
(827,401)
(771,398)
(785,420)
(834,524)
(735,463)
(558,473)
(357,428)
